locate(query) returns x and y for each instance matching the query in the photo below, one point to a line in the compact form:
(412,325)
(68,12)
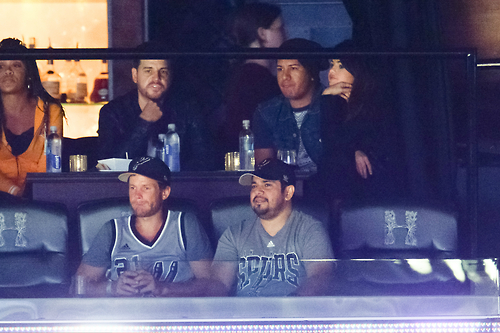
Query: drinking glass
(288,156)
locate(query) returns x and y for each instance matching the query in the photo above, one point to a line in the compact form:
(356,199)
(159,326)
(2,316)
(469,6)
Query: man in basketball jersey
(282,251)
(154,252)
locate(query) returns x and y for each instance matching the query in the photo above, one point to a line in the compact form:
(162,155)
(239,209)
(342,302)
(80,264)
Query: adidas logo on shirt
(270,244)
(125,247)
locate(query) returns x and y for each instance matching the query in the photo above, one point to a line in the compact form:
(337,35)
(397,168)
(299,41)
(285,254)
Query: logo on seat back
(411,225)
(19,225)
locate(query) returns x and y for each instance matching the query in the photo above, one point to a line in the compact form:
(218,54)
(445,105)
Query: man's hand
(363,165)
(146,284)
(134,283)
(126,284)
(341,88)
(151,112)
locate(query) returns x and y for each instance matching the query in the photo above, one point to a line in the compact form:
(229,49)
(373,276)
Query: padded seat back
(228,211)
(92,215)
(396,235)
(33,247)
(398,231)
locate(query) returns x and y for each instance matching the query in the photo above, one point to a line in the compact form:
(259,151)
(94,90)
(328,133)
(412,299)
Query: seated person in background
(256,25)
(291,121)
(282,251)
(128,123)
(355,137)
(155,251)
(27,112)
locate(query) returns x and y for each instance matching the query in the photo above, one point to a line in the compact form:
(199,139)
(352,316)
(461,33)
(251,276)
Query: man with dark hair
(283,251)
(291,121)
(154,252)
(128,124)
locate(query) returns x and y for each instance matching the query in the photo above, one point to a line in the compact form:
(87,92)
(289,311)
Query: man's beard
(267,213)
(142,212)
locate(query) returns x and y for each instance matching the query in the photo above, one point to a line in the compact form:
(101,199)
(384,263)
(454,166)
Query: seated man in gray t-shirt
(281,252)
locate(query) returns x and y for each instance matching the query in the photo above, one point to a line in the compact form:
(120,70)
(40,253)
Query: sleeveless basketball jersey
(165,259)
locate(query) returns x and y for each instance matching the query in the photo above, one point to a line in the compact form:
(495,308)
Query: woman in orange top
(26,113)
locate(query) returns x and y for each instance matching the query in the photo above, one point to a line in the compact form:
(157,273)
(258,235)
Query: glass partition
(413,295)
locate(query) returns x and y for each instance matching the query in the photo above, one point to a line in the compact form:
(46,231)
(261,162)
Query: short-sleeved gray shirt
(273,265)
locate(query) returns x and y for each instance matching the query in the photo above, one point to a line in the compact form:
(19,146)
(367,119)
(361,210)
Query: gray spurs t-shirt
(273,265)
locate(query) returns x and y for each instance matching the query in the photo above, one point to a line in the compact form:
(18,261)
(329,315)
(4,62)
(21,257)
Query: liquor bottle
(51,81)
(32,43)
(53,150)
(81,84)
(246,147)
(173,144)
(100,92)
(161,147)
(66,92)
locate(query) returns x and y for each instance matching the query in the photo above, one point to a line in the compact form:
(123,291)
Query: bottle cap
(171,127)
(246,123)
(53,128)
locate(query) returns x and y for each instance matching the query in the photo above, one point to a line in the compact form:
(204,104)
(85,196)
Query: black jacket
(341,138)
(121,130)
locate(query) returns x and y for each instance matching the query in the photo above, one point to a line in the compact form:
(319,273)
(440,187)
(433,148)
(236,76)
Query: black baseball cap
(150,167)
(270,169)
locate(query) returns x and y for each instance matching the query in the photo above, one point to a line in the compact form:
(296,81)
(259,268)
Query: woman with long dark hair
(356,135)
(26,113)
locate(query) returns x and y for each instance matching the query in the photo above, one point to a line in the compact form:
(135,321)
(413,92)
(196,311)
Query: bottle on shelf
(161,147)
(173,144)
(32,43)
(81,84)
(100,92)
(66,92)
(53,150)
(51,81)
(246,139)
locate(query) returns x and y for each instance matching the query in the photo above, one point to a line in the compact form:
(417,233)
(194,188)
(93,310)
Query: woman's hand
(341,88)
(363,165)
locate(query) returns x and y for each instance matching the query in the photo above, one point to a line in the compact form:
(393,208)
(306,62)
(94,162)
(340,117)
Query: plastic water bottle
(53,150)
(173,145)
(161,148)
(247,160)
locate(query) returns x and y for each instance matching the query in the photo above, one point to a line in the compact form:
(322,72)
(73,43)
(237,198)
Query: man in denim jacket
(291,121)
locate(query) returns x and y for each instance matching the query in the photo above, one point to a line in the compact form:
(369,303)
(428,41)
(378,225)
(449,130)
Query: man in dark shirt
(129,122)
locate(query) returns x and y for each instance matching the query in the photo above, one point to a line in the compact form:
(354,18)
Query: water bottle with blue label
(53,150)
(246,137)
(173,144)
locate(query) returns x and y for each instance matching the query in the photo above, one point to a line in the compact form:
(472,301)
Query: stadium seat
(398,249)
(33,249)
